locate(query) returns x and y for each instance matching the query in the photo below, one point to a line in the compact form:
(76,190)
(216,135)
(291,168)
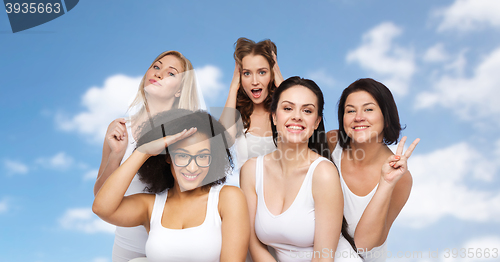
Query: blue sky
(64,81)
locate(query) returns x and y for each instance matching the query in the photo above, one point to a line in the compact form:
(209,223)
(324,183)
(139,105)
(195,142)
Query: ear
(168,159)
(178,93)
(273,115)
(316,124)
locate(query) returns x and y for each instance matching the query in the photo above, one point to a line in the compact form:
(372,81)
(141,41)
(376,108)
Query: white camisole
(291,233)
(196,244)
(354,206)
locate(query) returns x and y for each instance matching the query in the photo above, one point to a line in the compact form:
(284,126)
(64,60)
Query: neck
(365,153)
(156,106)
(176,192)
(290,156)
(259,109)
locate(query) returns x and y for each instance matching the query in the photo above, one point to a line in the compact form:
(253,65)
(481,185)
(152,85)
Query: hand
(235,83)
(157,146)
(278,78)
(396,165)
(117,137)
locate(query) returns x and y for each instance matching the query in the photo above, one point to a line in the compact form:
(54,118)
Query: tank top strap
(158,207)
(213,204)
(259,173)
(309,176)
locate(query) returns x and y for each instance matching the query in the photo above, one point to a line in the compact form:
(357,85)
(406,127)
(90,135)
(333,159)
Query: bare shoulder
(325,172)
(247,173)
(231,199)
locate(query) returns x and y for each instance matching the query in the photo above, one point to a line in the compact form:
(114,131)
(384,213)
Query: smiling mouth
(256,92)
(295,128)
(190,177)
(360,127)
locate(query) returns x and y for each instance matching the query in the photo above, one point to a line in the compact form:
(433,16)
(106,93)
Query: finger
(116,135)
(121,120)
(410,149)
(401,146)
(121,130)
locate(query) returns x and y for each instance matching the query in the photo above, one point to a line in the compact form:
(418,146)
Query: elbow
(98,209)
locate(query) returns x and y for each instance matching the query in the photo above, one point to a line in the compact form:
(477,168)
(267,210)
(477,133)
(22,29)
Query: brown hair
(265,48)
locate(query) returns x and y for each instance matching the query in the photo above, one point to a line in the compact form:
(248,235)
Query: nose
(254,80)
(359,117)
(192,167)
(159,74)
(297,115)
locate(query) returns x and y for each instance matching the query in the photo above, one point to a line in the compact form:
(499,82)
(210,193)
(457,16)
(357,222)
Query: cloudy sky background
(64,81)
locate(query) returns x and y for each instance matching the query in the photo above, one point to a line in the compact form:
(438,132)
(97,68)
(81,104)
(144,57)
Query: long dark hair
(156,172)
(318,141)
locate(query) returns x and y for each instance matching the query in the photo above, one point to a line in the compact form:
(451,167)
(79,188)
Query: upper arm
(133,211)
(235,224)
(328,205)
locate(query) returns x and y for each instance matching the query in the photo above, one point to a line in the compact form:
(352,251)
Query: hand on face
(396,165)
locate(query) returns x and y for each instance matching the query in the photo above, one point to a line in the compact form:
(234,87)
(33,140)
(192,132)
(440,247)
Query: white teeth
(360,127)
(190,177)
(295,127)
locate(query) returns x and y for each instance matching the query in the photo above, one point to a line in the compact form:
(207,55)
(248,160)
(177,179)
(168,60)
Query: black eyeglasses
(183,159)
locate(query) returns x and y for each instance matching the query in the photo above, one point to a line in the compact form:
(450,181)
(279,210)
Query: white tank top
(197,244)
(245,147)
(291,233)
(354,206)
(132,238)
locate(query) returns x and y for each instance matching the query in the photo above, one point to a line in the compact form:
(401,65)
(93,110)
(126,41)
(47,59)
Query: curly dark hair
(265,48)
(156,172)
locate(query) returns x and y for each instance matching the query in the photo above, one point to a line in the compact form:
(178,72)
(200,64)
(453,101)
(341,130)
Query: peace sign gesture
(396,165)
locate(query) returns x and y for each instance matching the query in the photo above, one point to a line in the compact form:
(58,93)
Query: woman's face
(296,116)
(163,79)
(363,119)
(189,161)
(255,77)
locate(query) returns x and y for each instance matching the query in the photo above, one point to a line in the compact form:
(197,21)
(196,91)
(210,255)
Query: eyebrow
(185,151)
(362,105)
(174,68)
(285,101)
(266,68)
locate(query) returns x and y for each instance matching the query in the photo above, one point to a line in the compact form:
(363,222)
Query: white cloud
(90,175)
(436,53)
(84,220)
(322,78)
(378,54)
(4,206)
(441,187)
(467,15)
(59,161)
(100,259)
(15,167)
(209,80)
(474,98)
(101,106)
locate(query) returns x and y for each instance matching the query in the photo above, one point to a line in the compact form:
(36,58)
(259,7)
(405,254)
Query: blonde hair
(189,98)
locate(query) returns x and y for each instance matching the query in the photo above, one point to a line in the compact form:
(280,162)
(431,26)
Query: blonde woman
(169,83)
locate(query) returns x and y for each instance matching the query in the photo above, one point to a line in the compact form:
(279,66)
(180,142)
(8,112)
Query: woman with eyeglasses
(168,83)
(190,215)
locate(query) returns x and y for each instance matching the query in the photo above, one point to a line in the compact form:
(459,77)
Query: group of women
(305,194)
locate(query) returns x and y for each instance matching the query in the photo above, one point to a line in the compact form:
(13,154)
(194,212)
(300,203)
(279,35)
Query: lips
(295,128)
(154,82)
(190,177)
(256,92)
(359,128)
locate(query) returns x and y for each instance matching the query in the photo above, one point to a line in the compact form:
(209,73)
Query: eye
(368,109)
(262,72)
(171,74)
(287,108)
(156,67)
(350,111)
(246,73)
(201,157)
(309,111)
(182,156)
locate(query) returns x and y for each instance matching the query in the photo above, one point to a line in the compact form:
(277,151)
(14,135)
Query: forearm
(259,251)
(112,163)
(372,228)
(111,193)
